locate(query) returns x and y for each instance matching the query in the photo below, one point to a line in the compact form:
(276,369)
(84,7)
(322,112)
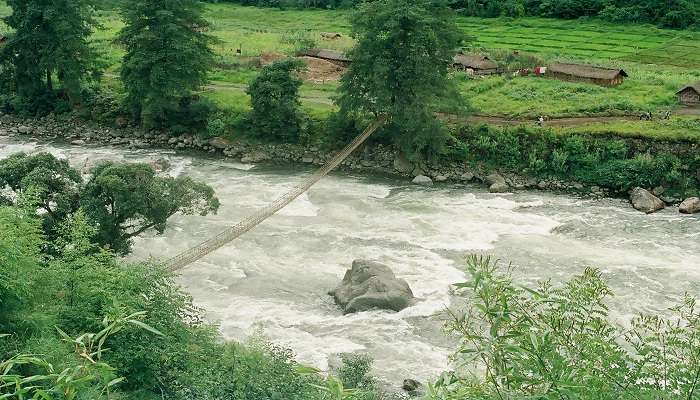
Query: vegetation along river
(275,279)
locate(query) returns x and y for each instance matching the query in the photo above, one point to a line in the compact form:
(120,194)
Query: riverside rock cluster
(380,159)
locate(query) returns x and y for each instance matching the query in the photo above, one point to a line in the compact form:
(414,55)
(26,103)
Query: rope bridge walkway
(201,250)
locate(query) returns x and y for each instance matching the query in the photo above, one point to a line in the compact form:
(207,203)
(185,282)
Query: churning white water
(275,279)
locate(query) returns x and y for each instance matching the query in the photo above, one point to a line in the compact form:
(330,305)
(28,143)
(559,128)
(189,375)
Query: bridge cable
(201,250)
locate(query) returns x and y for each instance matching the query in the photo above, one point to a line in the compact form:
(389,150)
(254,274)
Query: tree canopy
(274,96)
(168,55)
(400,66)
(122,200)
(50,41)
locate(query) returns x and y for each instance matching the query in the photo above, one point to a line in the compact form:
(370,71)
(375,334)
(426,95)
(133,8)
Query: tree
(274,96)
(126,200)
(400,66)
(51,40)
(48,184)
(123,200)
(167,55)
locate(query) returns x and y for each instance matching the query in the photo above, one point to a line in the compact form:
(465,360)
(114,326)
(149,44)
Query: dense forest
(678,14)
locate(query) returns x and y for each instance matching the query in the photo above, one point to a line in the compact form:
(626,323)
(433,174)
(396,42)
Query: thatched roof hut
(481,65)
(587,73)
(690,95)
(328,55)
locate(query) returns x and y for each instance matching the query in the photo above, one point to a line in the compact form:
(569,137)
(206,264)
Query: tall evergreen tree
(167,57)
(50,42)
(400,66)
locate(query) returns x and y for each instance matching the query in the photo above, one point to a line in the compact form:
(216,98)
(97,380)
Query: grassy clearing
(647,89)
(675,129)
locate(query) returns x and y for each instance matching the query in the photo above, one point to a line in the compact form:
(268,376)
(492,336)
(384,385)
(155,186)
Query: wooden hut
(481,65)
(690,95)
(586,73)
(328,55)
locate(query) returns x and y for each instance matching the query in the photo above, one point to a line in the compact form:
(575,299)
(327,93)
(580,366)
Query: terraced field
(582,40)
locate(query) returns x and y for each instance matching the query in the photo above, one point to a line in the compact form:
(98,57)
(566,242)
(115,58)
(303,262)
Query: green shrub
(274,96)
(559,343)
(608,162)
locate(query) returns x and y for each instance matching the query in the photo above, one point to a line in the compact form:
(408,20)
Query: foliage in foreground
(149,341)
(559,343)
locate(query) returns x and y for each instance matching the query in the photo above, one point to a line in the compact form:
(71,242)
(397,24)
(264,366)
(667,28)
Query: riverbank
(483,168)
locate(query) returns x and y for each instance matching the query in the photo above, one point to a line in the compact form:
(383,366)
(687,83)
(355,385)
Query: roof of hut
(694,86)
(587,71)
(325,54)
(474,61)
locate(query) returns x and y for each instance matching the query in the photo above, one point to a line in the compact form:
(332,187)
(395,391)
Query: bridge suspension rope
(201,250)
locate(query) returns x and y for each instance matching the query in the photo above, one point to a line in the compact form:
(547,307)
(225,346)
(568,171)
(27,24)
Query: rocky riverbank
(378,159)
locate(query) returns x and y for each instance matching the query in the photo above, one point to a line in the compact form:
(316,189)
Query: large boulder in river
(690,206)
(645,201)
(370,285)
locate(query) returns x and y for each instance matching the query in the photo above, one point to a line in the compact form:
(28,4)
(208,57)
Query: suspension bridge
(209,246)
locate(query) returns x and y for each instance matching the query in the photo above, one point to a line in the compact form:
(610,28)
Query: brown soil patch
(321,71)
(269,58)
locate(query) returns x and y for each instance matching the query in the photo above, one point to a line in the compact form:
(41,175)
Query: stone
(121,122)
(370,285)
(255,156)
(401,164)
(161,165)
(499,187)
(467,177)
(173,140)
(644,201)
(307,160)
(24,130)
(658,191)
(494,177)
(367,163)
(422,180)
(440,178)
(77,142)
(690,206)
(413,387)
(497,183)
(220,143)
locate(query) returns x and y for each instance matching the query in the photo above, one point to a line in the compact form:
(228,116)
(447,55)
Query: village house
(332,56)
(587,74)
(690,95)
(475,63)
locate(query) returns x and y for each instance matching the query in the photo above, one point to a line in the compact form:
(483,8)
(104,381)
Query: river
(274,280)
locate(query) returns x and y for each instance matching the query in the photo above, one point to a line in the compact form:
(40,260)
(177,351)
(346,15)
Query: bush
(559,343)
(608,162)
(274,96)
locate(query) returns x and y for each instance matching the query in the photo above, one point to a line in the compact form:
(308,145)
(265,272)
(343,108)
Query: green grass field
(256,31)
(586,40)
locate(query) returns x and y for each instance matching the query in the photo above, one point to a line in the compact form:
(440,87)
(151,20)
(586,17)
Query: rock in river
(690,206)
(644,201)
(369,285)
